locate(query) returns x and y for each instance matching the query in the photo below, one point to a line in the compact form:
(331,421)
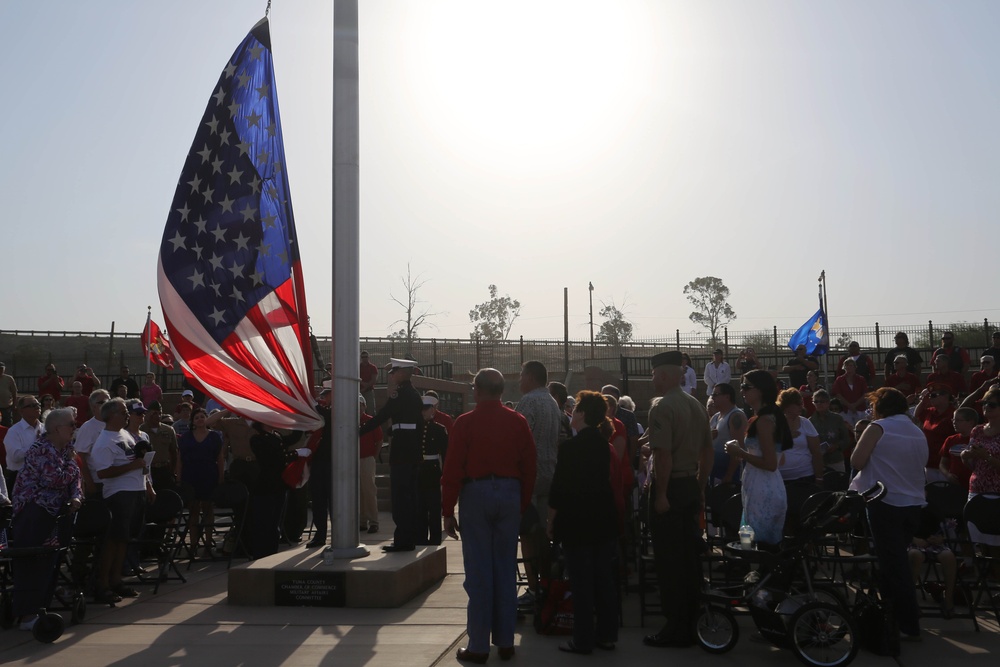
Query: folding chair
(984,513)
(160,534)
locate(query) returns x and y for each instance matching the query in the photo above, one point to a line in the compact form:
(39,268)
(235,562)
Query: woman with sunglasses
(934,415)
(764,500)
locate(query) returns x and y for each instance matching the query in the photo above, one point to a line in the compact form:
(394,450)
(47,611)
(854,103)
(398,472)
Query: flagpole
(826,321)
(346,284)
(149,334)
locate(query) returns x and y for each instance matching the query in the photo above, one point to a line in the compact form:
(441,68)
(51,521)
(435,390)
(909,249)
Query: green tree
(494,319)
(967,334)
(708,296)
(415,315)
(616,330)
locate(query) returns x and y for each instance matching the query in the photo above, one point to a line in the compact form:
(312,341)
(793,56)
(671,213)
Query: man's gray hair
(489,381)
(96,395)
(59,417)
(111,407)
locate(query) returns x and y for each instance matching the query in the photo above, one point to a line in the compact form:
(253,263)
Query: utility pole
(591,320)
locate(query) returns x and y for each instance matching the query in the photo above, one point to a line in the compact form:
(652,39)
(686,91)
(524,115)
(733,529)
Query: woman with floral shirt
(982,456)
(48,481)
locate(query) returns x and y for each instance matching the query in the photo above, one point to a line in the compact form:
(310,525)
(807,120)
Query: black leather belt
(489,478)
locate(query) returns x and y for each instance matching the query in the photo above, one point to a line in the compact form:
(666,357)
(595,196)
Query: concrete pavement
(192,624)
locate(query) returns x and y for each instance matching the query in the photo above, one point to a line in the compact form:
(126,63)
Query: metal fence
(27,352)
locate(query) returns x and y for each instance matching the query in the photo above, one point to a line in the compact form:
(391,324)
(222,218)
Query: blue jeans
(490,513)
(592,576)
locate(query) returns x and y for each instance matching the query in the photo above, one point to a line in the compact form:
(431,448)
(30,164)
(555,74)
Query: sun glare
(533,83)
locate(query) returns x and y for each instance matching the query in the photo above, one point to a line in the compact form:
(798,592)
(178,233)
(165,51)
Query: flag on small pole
(229,275)
(814,334)
(155,345)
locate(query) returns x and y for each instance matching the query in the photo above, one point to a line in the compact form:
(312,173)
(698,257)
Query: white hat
(187,392)
(402,363)
(429,400)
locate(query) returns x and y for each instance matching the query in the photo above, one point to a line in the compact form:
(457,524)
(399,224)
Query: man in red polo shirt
(943,375)
(490,471)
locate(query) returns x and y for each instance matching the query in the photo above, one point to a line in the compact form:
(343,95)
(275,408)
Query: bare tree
(416,315)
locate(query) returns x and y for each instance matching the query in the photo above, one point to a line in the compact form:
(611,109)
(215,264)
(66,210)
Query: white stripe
(187,327)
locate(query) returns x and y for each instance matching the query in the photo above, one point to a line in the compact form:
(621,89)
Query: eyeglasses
(746,386)
(990,405)
(935,394)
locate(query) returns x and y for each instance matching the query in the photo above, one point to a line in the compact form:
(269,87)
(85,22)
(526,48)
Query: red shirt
(908,383)
(954,380)
(978,378)
(444,419)
(369,372)
(489,440)
(51,385)
(955,465)
(370,441)
(848,393)
(86,381)
(937,427)
(82,405)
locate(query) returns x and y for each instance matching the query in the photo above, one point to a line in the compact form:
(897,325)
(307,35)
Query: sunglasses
(746,386)
(935,394)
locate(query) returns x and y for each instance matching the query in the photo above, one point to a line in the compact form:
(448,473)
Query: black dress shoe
(393,548)
(570,647)
(465,655)
(316,542)
(505,652)
(662,640)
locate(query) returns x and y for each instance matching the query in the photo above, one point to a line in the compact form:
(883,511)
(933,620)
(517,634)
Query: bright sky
(534,144)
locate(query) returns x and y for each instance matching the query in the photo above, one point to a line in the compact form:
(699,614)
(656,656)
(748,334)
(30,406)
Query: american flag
(229,275)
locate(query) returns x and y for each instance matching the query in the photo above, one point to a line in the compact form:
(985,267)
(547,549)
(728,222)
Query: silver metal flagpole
(826,323)
(346,281)
(149,333)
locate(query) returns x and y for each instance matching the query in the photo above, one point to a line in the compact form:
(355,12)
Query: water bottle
(746,536)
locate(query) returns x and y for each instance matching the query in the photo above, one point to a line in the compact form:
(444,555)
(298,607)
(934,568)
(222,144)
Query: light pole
(591,320)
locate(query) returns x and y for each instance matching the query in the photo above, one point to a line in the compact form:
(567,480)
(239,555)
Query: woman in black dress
(583,517)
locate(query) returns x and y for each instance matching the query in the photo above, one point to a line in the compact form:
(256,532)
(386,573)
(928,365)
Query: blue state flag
(813,334)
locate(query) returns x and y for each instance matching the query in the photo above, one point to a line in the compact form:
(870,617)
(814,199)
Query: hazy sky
(537,145)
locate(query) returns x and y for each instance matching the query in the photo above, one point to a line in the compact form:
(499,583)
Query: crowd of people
(552,470)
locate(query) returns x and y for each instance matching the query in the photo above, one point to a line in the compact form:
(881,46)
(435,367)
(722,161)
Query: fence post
(878,341)
(725,342)
(986,332)
(478,365)
(677,333)
(111,350)
(930,335)
(434,347)
(521,349)
(775,346)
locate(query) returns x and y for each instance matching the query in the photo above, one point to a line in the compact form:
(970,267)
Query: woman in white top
(804,461)
(689,381)
(898,462)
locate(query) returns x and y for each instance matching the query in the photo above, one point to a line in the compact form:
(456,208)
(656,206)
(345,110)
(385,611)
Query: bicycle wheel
(823,635)
(716,629)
